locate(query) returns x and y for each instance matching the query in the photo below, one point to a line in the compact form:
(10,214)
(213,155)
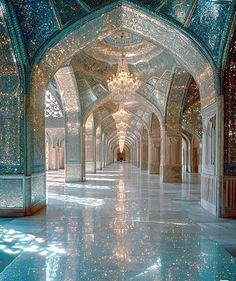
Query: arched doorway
(168,135)
(76,37)
(120,156)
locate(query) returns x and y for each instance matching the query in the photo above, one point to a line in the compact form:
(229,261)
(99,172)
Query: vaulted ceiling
(154,66)
(164,80)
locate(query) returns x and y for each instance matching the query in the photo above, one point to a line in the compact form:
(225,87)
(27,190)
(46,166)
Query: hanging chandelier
(122,126)
(121,134)
(123,83)
(121,115)
(121,118)
(121,145)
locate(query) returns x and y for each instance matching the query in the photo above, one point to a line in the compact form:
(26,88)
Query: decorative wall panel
(191,115)
(38,192)
(208,23)
(192,119)
(37,22)
(157,31)
(52,108)
(68,88)
(11,106)
(177,9)
(11,193)
(176,96)
(229,89)
(94,4)
(69,10)
(42,18)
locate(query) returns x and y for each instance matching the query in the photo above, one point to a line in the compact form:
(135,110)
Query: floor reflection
(125,226)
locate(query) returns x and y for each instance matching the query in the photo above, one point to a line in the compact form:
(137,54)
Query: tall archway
(154,29)
(79,36)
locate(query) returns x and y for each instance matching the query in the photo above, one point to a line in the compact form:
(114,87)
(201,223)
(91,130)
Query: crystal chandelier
(121,118)
(121,134)
(123,83)
(121,145)
(121,115)
(122,126)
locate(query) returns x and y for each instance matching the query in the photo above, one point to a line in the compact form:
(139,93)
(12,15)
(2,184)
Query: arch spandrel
(154,29)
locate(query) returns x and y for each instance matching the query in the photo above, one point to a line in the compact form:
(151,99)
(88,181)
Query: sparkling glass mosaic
(14,197)
(230,111)
(208,23)
(11,106)
(40,19)
(157,30)
(38,191)
(176,95)
(69,10)
(191,115)
(177,9)
(37,22)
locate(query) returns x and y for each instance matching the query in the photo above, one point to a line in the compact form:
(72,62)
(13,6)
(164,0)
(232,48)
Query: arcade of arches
(57,113)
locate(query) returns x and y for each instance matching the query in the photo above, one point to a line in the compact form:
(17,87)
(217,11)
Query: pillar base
(90,167)
(194,169)
(144,166)
(171,173)
(154,169)
(74,173)
(229,197)
(209,193)
(98,165)
(22,195)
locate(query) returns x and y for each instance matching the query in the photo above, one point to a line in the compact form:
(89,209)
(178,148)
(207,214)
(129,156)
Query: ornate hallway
(121,224)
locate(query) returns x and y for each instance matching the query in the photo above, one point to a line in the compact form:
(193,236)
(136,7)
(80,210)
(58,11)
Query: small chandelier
(123,84)
(121,115)
(121,145)
(121,134)
(122,126)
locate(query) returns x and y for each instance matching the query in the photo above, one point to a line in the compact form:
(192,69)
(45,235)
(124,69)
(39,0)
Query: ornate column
(135,155)
(211,179)
(103,152)
(171,168)
(22,164)
(74,156)
(90,145)
(144,151)
(154,152)
(98,149)
(110,155)
(228,194)
(138,153)
(53,159)
(61,155)
(194,156)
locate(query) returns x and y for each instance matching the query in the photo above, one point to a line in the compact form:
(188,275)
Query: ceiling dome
(123,38)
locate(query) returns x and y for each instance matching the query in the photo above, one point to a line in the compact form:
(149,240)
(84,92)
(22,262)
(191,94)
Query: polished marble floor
(119,225)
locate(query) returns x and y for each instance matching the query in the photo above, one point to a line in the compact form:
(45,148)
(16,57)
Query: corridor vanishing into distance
(121,224)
